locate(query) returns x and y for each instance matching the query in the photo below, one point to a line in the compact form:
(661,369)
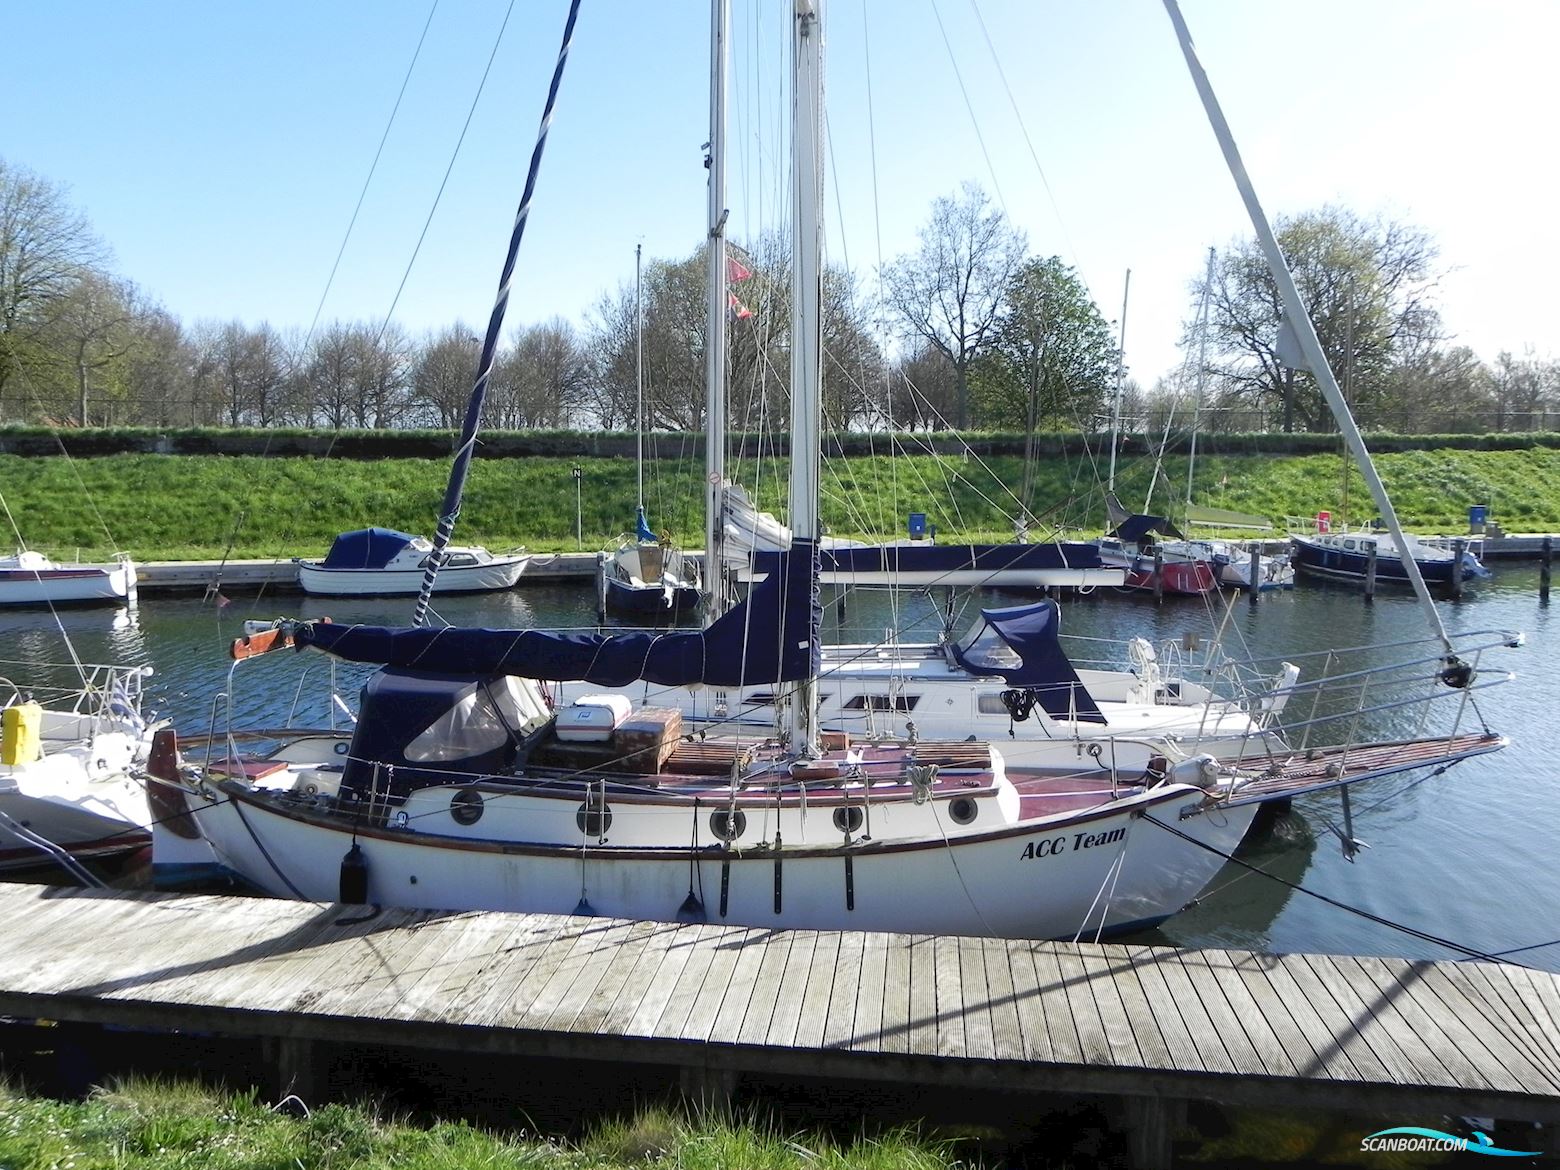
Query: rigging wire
(444,182)
(369,178)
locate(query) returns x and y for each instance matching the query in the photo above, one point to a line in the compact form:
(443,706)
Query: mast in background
(806,333)
(1121,373)
(1202,374)
(639,379)
(715,326)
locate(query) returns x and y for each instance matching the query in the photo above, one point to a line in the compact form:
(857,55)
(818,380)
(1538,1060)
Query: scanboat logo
(1416,1140)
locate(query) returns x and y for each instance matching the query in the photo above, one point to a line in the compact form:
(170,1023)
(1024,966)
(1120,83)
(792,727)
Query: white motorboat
(30,578)
(70,779)
(381,562)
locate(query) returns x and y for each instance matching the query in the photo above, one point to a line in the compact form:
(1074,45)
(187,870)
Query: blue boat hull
(649,601)
(1342,565)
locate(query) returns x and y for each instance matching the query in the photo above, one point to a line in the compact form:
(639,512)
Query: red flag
(736,270)
(739,311)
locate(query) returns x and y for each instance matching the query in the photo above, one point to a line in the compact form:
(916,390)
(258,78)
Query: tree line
(967,329)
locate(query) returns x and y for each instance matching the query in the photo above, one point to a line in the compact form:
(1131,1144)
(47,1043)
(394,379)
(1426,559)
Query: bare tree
(542,380)
(443,373)
(949,294)
(1367,285)
(46,247)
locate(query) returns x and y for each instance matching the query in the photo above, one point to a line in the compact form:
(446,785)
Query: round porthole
(847,819)
(466,806)
(962,809)
(342,748)
(593,818)
(728,824)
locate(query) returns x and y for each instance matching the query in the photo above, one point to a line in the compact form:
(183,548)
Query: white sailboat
(71,786)
(460,787)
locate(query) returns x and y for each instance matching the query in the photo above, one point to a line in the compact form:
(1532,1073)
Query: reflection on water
(1465,856)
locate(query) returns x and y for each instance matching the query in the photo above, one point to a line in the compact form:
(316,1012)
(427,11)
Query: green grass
(146,1125)
(172,507)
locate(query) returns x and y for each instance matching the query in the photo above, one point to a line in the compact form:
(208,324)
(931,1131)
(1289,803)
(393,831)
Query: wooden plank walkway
(1358,1034)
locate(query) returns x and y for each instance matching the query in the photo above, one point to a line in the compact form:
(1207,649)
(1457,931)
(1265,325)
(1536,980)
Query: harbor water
(1466,856)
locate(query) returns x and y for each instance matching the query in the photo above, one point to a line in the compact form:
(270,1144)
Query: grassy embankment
(148,1126)
(170,507)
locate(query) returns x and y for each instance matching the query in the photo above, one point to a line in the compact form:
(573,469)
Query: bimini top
(1135,528)
(367,548)
(1020,645)
(770,637)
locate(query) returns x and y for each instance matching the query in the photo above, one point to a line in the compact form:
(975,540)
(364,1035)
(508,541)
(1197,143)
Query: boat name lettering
(1053,846)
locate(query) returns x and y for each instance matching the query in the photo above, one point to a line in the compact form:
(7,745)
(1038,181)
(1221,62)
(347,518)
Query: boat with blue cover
(382,562)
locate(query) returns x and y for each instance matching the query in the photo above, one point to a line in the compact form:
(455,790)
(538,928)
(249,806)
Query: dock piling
(1543,570)
(1459,548)
(1254,580)
(1370,576)
(1159,575)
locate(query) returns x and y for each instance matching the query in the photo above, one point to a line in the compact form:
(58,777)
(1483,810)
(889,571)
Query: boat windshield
(983,648)
(481,720)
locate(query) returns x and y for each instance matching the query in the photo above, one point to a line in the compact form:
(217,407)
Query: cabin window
(992,705)
(767,698)
(882,702)
(482,720)
(1350,545)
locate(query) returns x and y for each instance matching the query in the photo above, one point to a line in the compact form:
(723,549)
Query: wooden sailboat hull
(1099,870)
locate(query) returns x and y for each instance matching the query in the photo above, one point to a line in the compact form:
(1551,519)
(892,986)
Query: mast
(1121,373)
(1202,373)
(715,325)
(1305,331)
(450,510)
(639,378)
(806,332)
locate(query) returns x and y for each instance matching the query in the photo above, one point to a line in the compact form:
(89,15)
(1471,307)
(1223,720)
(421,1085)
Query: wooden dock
(1150,1025)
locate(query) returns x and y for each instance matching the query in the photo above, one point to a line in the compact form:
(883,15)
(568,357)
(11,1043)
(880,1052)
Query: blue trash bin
(1478,516)
(917,525)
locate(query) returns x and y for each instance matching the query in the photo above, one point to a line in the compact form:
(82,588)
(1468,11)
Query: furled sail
(770,637)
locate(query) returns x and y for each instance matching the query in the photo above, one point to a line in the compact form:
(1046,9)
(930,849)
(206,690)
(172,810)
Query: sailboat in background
(646,576)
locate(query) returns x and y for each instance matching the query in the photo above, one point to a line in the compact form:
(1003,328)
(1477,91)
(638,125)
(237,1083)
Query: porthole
(962,809)
(342,747)
(466,806)
(728,824)
(594,818)
(847,819)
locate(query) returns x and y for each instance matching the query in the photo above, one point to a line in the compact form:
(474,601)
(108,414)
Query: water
(1466,856)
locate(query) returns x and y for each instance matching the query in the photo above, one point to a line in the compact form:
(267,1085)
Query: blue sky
(220,148)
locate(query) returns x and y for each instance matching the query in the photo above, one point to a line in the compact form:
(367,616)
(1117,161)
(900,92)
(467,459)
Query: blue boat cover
(770,637)
(947,558)
(642,527)
(1135,528)
(367,548)
(1030,631)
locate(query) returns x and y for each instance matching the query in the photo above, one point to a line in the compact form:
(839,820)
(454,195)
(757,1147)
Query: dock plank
(767,982)
(1164,968)
(1341,1025)
(1113,965)
(1502,1056)
(1007,1036)
(979,1043)
(1277,1050)
(674,1016)
(840,1017)
(1383,1040)
(1162,1008)
(787,1016)
(922,1034)
(818,990)
(1491,995)
(645,998)
(950,996)
(1327,1055)
(507,959)
(611,944)
(637,945)
(1119,1033)
(895,1025)
(867,1032)
(717,990)
(1080,999)
(1059,1029)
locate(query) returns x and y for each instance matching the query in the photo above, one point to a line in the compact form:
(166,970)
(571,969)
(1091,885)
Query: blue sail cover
(1030,631)
(642,527)
(367,548)
(948,558)
(770,637)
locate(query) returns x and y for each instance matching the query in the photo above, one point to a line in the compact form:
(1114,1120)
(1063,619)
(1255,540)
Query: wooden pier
(1152,1026)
